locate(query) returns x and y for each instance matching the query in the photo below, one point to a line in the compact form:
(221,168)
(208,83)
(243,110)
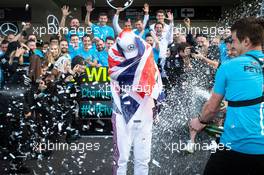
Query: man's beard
(102,23)
(100,49)
(64,50)
(159,33)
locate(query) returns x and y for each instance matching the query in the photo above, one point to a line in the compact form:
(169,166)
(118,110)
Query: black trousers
(225,162)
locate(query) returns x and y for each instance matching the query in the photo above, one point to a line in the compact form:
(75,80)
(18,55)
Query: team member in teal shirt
(100,31)
(101,54)
(75,46)
(75,28)
(240,82)
(88,50)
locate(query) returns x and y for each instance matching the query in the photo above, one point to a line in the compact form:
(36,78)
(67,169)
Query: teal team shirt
(75,51)
(241,79)
(137,32)
(87,54)
(102,31)
(156,55)
(223,52)
(101,57)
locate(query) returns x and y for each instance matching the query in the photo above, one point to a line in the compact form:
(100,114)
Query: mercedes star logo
(7,28)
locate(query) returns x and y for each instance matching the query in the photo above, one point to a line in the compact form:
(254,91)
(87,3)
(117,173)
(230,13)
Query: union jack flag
(134,78)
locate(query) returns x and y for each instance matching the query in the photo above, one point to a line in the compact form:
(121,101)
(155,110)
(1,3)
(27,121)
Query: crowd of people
(49,74)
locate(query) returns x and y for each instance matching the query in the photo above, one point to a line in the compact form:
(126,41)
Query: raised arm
(19,36)
(213,63)
(189,36)
(116,26)
(187,23)
(146,15)
(89,9)
(169,35)
(65,12)
(209,111)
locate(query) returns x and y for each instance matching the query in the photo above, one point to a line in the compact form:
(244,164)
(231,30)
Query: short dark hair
(109,38)
(182,46)
(138,18)
(87,35)
(4,42)
(159,23)
(72,35)
(148,35)
(250,27)
(54,37)
(201,35)
(102,14)
(29,41)
(63,40)
(160,11)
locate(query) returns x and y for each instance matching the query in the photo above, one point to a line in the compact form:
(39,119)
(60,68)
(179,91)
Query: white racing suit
(135,83)
(137,133)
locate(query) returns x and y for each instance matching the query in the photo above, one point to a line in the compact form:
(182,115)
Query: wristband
(200,120)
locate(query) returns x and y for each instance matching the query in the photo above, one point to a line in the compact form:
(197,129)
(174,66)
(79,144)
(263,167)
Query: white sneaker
(189,147)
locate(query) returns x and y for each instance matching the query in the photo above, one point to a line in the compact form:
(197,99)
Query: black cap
(12,47)
(77,60)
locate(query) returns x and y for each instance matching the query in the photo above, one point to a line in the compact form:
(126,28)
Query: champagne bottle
(214,130)
(222,105)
